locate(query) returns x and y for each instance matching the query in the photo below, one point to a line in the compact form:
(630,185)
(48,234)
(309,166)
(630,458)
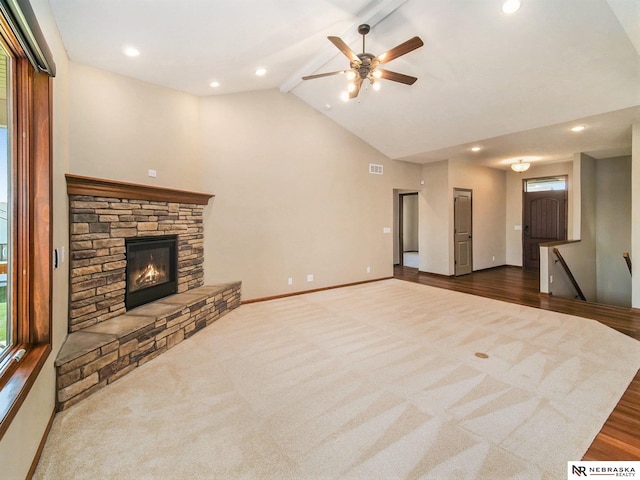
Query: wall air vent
(376,169)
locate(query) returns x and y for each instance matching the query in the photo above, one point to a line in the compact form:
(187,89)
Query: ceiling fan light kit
(364,66)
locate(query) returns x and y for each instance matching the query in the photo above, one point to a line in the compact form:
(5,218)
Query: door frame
(455,260)
(401,225)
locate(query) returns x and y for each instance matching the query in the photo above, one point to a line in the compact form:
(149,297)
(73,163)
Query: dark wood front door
(544,220)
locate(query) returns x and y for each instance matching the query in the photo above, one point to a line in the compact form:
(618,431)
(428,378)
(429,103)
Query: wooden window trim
(31,266)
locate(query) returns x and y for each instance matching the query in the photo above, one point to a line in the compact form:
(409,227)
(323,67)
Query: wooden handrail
(569,274)
(627,259)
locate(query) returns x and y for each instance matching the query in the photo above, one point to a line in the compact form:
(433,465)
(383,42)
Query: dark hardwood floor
(619,438)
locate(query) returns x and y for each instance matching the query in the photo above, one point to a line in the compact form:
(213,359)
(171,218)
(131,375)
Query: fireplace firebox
(151,273)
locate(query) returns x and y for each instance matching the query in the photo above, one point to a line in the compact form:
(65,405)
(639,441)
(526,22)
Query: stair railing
(627,259)
(569,274)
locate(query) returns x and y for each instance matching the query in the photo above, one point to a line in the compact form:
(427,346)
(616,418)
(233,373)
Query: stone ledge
(100,354)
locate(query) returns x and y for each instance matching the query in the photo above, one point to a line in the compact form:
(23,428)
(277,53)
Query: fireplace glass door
(151,269)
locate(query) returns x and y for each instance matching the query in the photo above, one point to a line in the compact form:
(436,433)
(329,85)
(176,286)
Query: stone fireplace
(136,283)
(151,269)
(103,219)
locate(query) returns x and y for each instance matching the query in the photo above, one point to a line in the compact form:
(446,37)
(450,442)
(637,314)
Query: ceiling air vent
(375,169)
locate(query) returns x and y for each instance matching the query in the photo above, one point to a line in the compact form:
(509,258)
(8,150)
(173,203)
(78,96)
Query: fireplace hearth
(151,271)
(129,245)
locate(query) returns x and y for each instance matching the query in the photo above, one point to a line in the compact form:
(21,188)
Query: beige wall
(514,205)
(613,230)
(121,128)
(19,444)
(635,215)
(488,200)
(293,197)
(436,233)
(585,268)
(436,215)
(293,192)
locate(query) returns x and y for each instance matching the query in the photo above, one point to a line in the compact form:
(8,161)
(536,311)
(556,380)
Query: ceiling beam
(372,15)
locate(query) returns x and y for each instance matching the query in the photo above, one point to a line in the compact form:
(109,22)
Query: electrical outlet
(368,269)
(493,259)
(310,277)
(550,278)
(153,173)
(290,281)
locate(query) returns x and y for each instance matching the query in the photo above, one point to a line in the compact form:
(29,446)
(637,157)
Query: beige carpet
(376,381)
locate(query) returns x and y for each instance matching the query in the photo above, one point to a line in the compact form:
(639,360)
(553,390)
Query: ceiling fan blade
(402,49)
(344,48)
(320,75)
(397,77)
(358,83)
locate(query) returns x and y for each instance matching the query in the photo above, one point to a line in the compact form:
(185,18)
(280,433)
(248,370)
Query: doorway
(462,231)
(408,230)
(544,216)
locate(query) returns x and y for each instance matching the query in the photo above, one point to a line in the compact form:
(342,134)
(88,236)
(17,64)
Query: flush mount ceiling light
(520,166)
(511,6)
(364,66)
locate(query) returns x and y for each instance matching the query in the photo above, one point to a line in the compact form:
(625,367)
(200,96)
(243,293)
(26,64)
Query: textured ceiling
(510,84)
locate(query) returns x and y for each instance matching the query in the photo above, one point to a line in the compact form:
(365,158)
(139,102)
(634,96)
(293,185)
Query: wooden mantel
(98,187)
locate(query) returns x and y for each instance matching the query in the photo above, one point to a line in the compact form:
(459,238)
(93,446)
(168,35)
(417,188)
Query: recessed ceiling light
(578,128)
(511,6)
(214,84)
(475,149)
(261,71)
(131,51)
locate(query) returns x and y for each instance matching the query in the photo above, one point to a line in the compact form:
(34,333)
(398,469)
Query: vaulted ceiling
(512,85)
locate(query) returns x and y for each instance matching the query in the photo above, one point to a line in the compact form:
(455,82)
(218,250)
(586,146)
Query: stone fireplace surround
(105,340)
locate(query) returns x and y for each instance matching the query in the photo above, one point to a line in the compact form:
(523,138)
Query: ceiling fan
(364,66)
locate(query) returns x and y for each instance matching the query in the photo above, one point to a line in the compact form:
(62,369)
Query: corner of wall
(635,215)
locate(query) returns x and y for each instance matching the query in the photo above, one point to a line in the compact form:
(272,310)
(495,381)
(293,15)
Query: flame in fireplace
(149,276)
